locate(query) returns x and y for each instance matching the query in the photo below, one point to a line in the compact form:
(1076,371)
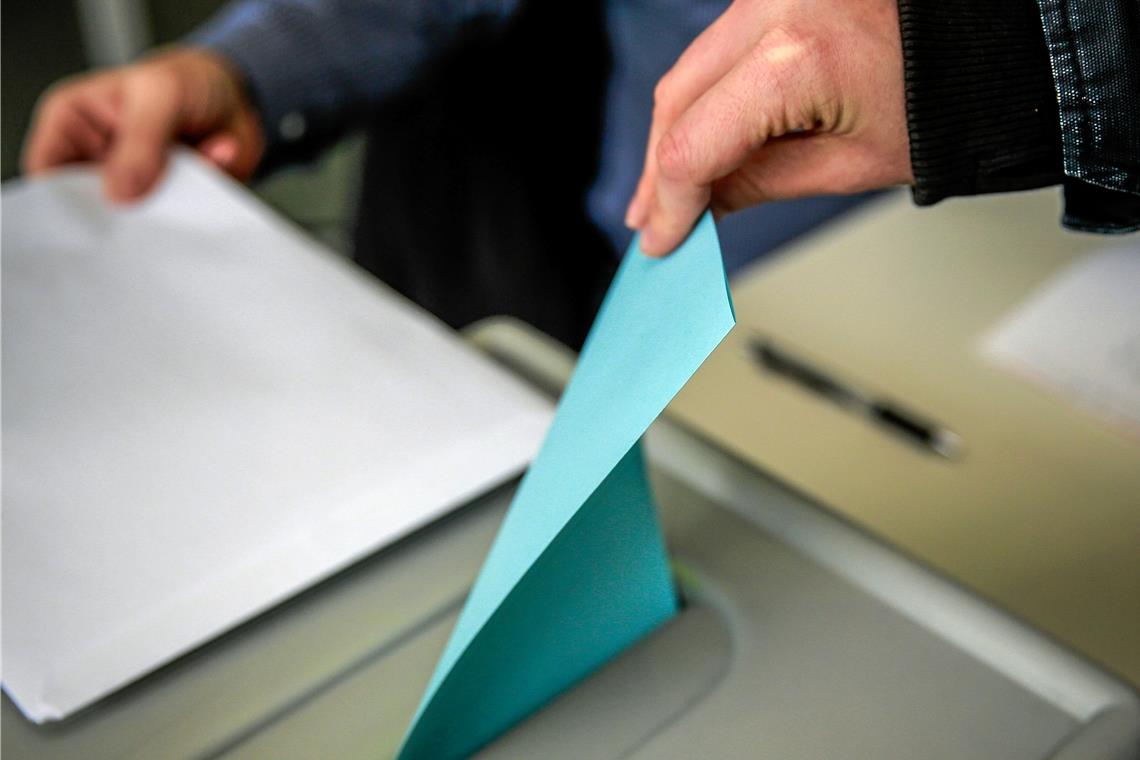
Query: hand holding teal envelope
(578,571)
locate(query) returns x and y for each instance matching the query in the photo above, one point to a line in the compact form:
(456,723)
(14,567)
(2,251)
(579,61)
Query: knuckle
(781,54)
(791,52)
(156,76)
(785,34)
(796,65)
(144,76)
(53,103)
(674,156)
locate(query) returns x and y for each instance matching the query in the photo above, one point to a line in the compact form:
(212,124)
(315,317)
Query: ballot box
(800,636)
(863,372)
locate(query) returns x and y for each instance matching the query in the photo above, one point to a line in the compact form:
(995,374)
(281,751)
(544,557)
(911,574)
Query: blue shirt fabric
(313,65)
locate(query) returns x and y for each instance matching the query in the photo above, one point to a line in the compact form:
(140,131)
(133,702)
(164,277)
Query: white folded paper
(1079,335)
(203,413)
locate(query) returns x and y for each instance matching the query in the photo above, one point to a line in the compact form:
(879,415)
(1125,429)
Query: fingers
(69,126)
(773,90)
(128,118)
(711,139)
(638,209)
(678,198)
(147,126)
(89,132)
(705,61)
(814,104)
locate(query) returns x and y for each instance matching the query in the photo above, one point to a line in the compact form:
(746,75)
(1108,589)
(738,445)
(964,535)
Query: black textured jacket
(1014,94)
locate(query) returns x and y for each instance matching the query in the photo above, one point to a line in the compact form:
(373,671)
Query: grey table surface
(800,637)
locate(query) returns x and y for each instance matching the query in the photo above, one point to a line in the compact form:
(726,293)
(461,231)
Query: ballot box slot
(641,692)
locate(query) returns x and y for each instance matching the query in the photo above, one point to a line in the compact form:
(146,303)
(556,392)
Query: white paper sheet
(1079,335)
(203,413)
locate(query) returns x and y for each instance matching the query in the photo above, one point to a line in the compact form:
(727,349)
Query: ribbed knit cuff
(981,106)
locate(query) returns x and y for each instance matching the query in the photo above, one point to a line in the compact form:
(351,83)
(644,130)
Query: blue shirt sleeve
(313,66)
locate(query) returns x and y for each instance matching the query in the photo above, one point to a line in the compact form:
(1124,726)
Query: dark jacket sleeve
(1094,53)
(987,108)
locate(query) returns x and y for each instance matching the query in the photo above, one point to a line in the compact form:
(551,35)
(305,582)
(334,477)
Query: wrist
(219,68)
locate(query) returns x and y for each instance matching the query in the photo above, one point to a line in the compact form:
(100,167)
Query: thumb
(147,126)
(804,165)
(797,166)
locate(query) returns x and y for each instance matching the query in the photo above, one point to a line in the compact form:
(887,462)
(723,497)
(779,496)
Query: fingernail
(223,154)
(631,214)
(642,217)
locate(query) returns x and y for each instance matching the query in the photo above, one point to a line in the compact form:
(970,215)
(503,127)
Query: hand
(127,118)
(776,99)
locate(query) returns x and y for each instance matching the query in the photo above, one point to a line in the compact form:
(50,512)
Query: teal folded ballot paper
(578,571)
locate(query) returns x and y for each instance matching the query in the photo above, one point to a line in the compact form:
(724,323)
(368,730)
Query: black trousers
(473,196)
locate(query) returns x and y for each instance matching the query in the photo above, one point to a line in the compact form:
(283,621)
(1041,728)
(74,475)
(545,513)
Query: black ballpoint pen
(892,417)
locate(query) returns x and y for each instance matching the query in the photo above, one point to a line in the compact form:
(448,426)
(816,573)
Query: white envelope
(203,413)
(1079,335)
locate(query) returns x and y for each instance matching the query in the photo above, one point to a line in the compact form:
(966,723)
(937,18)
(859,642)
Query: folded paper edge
(426,704)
